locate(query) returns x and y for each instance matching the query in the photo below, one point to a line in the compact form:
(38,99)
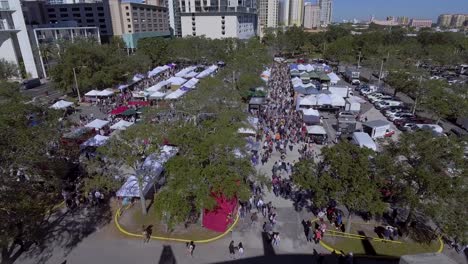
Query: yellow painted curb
(123,231)
(441,245)
(331,249)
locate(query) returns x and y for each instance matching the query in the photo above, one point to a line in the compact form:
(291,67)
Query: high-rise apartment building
(14,40)
(403,20)
(444,20)
(268,11)
(421,23)
(218,19)
(296,9)
(311,15)
(283,16)
(174,17)
(326,7)
(458,20)
(133,21)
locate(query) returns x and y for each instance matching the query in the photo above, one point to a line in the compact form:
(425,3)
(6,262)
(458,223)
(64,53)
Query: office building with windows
(283,13)
(420,23)
(311,16)
(326,8)
(133,21)
(14,40)
(218,18)
(267,15)
(85,14)
(458,20)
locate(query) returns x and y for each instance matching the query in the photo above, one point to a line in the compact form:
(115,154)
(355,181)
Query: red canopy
(119,110)
(221,216)
(139,103)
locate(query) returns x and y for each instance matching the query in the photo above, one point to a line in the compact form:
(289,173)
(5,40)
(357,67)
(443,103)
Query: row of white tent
(153,167)
(99,140)
(321,99)
(158,70)
(103,93)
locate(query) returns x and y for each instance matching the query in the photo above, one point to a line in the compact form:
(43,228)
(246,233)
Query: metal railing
(4,6)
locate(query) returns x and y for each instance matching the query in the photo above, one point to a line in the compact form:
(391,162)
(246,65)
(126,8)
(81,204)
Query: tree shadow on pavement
(65,230)
(368,248)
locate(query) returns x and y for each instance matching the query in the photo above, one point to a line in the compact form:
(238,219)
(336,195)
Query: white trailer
(363,140)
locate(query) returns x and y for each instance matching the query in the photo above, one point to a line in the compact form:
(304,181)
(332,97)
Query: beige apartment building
(311,16)
(134,21)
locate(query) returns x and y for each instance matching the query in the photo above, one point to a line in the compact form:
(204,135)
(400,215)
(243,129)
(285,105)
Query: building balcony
(7,27)
(5,6)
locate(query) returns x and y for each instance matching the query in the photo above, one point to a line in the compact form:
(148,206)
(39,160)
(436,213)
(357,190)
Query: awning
(157,95)
(306,101)
(61,104)
(97,124)
(153,166)
(316,130)
(324,99)
(129,112)
(104,93)
(157,87)
(121,125)
(95,141)
(248,131)
(119,110)
(191,84)
(92,93)
(310,112)
(176,80)
(175,95)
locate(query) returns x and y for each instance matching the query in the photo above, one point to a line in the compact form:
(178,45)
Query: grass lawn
(133,219)
(357,246)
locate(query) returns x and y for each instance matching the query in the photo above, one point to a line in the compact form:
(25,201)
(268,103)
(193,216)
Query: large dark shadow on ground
(368,248)
(66,228)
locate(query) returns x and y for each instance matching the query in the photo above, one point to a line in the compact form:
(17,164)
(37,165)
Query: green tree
(96,66)
(29,181)
(8,69)
(129,150)
(401,81)
(344,176)
(428,173)
(156,49)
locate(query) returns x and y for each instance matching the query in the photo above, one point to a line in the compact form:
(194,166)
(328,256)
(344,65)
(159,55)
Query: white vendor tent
(158,70)
(185,71)
(175,95)
(61,104)
(153,166)
(191,83)
(334,79)
(324,99)
(191,74)
(309,68)
(140,94)
(306,101)
(97,124)
(296,82)
(95,141)
(246,131)
(121,125)
(105,93)
(157,86)
(207,72)
(301,67)
(176,80)
(311,116)
(316,130)
(157,95)
(337,100)
(92,93)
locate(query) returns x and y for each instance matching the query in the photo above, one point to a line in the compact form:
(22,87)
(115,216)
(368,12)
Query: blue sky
(363,9)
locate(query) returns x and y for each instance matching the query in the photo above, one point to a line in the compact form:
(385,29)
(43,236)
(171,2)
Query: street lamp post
(76,82)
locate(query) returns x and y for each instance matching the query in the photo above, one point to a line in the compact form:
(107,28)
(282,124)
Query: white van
(363,140)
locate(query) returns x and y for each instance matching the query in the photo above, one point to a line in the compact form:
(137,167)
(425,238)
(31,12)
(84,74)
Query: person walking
(191,248)
(144,233)
(232,250)
(310,234)
(254,219)
(240,249)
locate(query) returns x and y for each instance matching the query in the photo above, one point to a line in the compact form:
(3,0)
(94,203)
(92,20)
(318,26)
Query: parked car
(346,115)
(400,115)
(374,95)
(381,98)
(385,104)
(394,110)
(408,126)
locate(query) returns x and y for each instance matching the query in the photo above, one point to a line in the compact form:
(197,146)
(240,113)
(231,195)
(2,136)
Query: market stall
(97,124)
(121,125)
(311,116)
(317,134)
(62,104)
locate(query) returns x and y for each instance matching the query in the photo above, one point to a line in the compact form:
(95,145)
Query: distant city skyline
(425,9)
